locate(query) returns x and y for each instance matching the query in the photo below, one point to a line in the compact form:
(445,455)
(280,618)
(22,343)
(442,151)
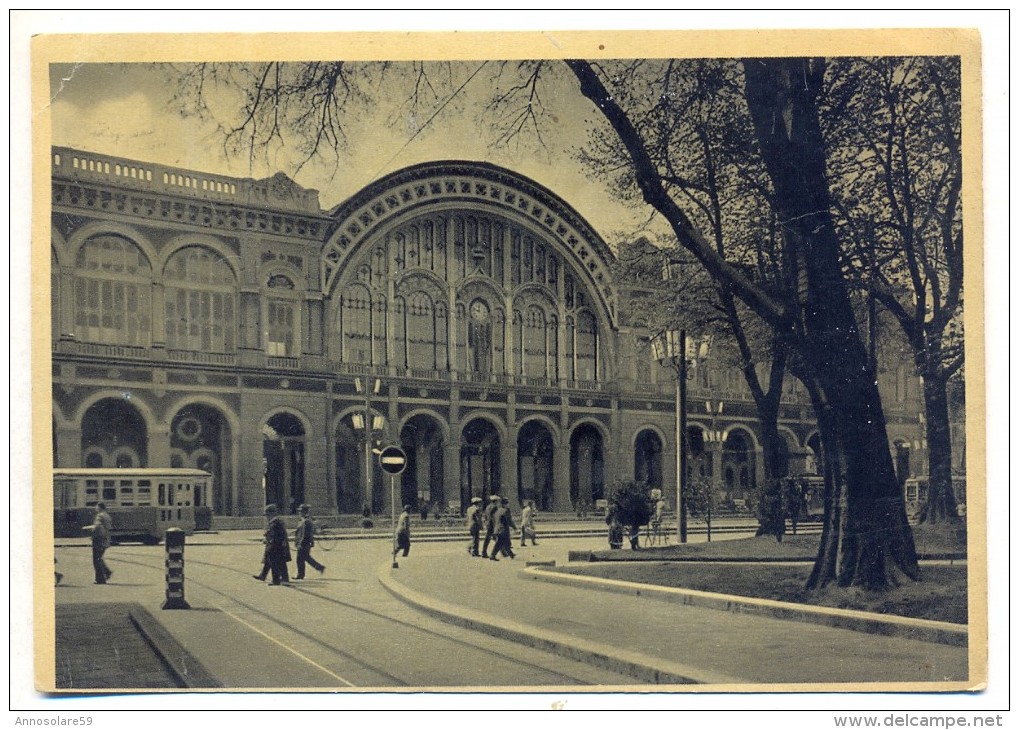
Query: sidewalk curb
(645,668)
(187,670)
(939,632)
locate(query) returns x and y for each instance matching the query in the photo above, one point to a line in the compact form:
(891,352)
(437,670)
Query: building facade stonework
(462,310)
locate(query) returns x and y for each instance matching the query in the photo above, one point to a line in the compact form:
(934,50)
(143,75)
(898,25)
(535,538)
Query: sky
(129,110)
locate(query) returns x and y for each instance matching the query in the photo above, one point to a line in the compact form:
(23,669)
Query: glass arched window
(479,337)
(421,326)
(355,325)
(201,301)
(587,347)
(282,317)
(113,292)
(535,346)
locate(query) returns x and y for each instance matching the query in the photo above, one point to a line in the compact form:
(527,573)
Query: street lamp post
(670,346)
(714,439)
(673,347)
(369,423)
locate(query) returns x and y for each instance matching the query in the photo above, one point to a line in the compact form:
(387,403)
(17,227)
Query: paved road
(337,630)
(365,624)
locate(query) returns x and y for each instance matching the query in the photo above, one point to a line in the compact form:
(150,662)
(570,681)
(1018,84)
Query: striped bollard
(175,569)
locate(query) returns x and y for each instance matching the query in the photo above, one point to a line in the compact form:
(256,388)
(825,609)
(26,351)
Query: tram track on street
(358,660)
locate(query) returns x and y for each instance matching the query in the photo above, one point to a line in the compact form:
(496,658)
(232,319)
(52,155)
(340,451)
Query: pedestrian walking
(277,547)
(490,509)
(474,520)
(403,532)
(304,541)
(102,533)
(527,524)
(503,535)
(615,528)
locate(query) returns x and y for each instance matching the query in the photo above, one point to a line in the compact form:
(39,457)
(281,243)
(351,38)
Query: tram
(916,492)
(144,503)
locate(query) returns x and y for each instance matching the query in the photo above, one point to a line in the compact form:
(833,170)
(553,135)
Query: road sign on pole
(393,460)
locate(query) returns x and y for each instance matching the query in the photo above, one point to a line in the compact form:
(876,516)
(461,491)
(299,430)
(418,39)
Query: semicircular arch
(100,228)
(548,423)
(456,186)
(151,420)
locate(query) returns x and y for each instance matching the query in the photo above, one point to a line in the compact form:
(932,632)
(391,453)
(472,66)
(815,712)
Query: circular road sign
(393,460)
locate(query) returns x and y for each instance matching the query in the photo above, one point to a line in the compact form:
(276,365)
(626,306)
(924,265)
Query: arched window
(355,325)
(113,292)
(421,331)
(282,316)
(535,352)
(552,335)
(201,296)
(479,337)
(587,347)
(441,337)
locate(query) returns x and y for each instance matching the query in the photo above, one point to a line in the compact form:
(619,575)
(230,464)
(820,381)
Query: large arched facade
(467,268)
(457,308)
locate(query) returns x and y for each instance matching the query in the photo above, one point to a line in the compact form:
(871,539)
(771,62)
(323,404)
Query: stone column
(315,344)
(508,467)
(68,447)
(66,304)
(319,492)
(561,478)
(158,315)
(159,446)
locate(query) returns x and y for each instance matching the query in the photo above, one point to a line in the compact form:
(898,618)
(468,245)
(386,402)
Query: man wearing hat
(493,505)
(277,546)
(474,525)
(503,536)
(304,541)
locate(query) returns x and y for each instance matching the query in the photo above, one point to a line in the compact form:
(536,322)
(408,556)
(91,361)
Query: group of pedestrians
(277,554)
(496,520)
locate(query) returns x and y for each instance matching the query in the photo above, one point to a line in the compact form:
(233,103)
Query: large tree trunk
(940,506)
(772,508)
(870,544)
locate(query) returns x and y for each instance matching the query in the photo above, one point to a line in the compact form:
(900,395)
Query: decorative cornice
(277,205)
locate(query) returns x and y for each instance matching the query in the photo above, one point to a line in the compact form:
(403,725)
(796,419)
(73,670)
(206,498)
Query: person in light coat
(403,533)
(527,524)
(474,520)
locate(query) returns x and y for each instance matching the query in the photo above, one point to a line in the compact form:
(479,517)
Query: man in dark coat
(503,535)
(493,505)
(304,541)
(277,546)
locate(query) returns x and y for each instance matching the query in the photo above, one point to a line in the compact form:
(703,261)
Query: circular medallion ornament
(189,428)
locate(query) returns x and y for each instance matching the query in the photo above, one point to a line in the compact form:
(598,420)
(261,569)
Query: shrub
(631,503)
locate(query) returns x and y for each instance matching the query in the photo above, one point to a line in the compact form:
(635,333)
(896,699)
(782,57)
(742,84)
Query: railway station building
(457,308)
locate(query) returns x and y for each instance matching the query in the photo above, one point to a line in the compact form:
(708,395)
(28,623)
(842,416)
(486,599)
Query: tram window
(144,492)
(198,495)
(127,496)
(91,492)
(162,494)
(109,490)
